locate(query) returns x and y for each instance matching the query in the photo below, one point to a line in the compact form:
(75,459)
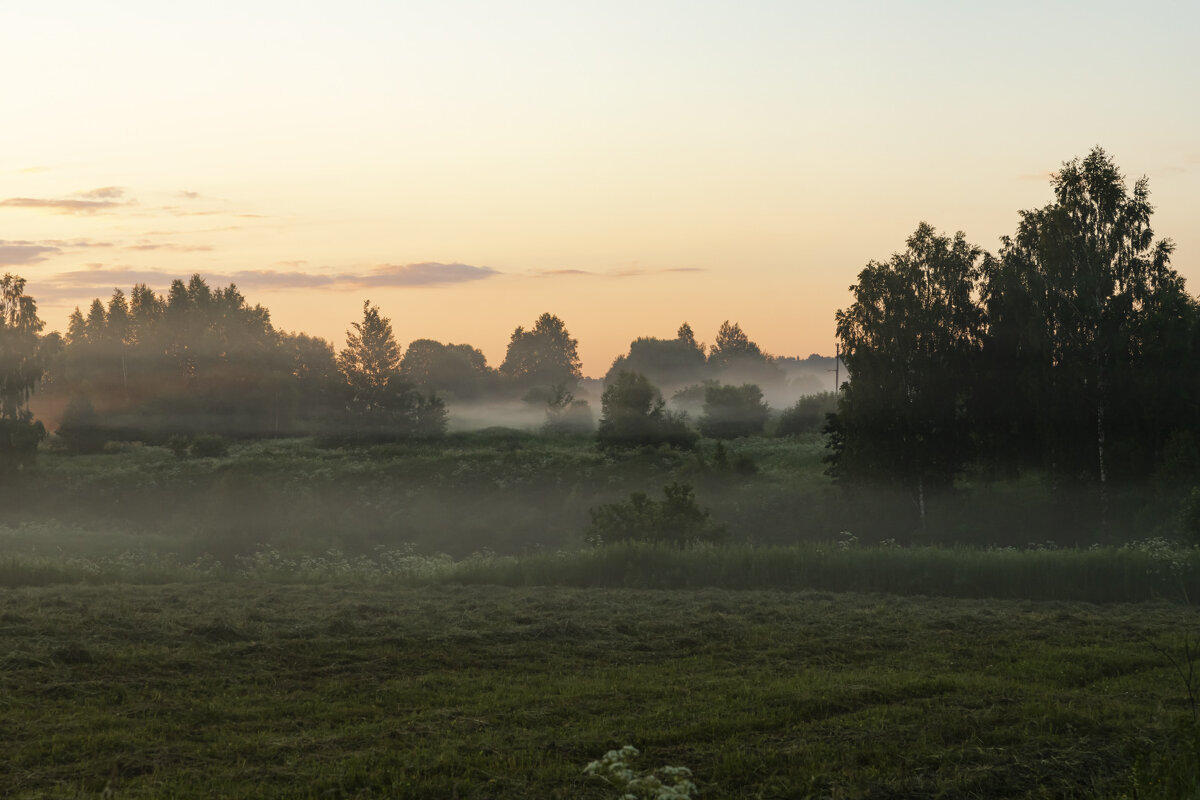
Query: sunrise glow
(626,166)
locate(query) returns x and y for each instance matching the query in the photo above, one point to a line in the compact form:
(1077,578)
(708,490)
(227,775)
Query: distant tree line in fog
(202,361)
(1071,353)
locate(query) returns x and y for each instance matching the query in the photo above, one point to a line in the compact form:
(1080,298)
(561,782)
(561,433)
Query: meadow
(426,620)
(240,688)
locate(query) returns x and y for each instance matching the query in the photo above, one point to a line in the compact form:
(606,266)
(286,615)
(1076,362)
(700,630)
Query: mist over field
(999,432)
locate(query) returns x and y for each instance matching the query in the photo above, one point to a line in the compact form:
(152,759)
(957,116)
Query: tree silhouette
(669,363)
(370,364)
(734,358)
(543,357)
(733,411)
(909,342)
(457,370)
(381,404)
(1093,268)
(633,414)
(20,370)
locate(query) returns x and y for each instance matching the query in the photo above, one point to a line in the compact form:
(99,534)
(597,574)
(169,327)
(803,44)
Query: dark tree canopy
(370,364)
(665,362)
(20,371)
(456,370)
(1076,304)
(543,357)
(909,342)
(633,414)
(381,403)
(734,358)
(1071,353)
(733,411)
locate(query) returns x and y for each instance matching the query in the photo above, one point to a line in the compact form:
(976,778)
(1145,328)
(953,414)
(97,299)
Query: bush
(1189,516)
(634,414)
(733,411)
(202,445)
(208,445)
(80,430)
(19,439)
(807,415)
(675,520)
(566,416)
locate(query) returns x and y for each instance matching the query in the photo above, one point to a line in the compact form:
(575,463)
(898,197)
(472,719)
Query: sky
(467,166)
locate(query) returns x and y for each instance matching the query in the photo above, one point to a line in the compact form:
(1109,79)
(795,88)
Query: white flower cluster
(664,783)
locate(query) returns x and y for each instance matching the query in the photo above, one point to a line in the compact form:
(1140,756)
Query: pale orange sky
(627,166)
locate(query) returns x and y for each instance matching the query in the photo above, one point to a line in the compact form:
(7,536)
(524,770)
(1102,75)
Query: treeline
(201,361)
(1071,353)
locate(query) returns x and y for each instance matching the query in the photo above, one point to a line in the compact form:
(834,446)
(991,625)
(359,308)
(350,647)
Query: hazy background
(626,166)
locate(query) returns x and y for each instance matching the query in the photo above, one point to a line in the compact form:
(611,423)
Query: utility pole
(837,363)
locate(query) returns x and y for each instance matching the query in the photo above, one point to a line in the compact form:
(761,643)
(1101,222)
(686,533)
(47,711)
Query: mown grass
(244,689)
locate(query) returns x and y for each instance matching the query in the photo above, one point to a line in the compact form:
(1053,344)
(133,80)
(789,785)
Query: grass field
(236,688)
(425,621)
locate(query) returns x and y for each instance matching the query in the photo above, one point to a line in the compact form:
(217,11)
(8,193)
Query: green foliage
(370,365)
(733,411)
(381,404)
(208,445)
(20,370)
(200,445)
(676,519)
(200,359)
(734,358)
(664,362)
(908,343)
(81,430)
(1189,516)
(1086,323)
(733,345)
(458,371)
(544,356)
(808,415)
(566,416)
(634,415)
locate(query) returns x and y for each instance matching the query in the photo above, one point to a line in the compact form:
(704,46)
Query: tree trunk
(921,500)
(1100,455)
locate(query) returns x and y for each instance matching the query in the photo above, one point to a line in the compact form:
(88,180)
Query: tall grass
(1148,571)
(1099,575)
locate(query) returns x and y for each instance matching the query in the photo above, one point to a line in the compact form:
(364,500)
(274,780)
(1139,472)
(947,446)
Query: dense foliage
(634,414)
(20,370)
(1071,353)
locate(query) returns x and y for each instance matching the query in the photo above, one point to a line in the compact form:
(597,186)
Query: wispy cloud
(170,246)
(92,201)
(626,272)
(103,193)
(177,211)
(19,253)
(77,244)
(221,229)
(426,274)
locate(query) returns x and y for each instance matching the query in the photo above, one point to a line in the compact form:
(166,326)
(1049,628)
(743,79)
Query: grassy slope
(239,689)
